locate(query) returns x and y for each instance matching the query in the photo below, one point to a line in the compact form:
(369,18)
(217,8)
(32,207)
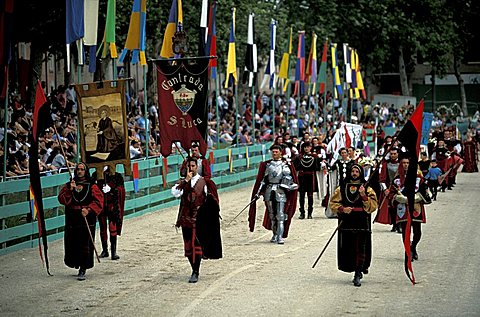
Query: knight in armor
(199,217)
(112,186)
(386,212)
(354,202)
(277,182)
(202,163)
(306,165)
(83,202)
(400,203)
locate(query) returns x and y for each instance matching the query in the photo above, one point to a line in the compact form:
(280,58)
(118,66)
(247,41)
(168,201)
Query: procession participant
(113,188)
(199,217)
(202,163)
(431,178)
(322,175)
(401,206)
(353,202)
(442,156)
(306,165)
(277,182)
(83,202)
(388,169)
(337,175)
(424,163)
(470,154)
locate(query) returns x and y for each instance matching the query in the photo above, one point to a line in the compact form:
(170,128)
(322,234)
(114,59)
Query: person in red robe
(202,163)
(199,217)
(83,202)
(112,186)
(470,155)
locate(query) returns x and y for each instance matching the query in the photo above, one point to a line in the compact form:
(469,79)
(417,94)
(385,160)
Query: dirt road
(257,278)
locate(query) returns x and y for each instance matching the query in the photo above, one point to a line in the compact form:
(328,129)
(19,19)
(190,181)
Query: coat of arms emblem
(184,99)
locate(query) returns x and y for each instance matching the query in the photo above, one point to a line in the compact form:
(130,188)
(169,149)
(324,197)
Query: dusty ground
(257,278)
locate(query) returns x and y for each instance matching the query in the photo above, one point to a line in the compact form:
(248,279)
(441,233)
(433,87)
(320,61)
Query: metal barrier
(233,167)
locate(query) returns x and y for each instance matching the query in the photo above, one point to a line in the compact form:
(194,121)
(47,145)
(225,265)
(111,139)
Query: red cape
(290,206)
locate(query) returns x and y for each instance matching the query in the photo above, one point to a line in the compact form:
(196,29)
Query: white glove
(106,188)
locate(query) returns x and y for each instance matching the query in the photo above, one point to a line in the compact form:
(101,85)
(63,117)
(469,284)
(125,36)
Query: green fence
(16,233)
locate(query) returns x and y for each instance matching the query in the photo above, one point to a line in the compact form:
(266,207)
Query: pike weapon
(253,201)
(326,245)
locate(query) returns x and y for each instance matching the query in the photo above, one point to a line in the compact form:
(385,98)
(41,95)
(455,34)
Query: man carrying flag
(410,137)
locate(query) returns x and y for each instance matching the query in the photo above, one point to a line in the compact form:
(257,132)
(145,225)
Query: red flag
(348,140)
(410,137)
(40,100)
(41,119)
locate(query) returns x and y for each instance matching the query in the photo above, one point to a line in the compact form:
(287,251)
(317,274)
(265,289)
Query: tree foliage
(435,29)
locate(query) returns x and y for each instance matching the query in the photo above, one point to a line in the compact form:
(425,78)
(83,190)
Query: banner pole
(218,94)
(5,126)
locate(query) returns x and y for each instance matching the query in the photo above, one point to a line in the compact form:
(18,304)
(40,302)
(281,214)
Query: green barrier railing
(16,233)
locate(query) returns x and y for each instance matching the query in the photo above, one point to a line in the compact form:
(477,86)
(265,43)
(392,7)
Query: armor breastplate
(275,171)
(392,169)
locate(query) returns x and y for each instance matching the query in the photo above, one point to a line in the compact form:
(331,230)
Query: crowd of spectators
(254,124)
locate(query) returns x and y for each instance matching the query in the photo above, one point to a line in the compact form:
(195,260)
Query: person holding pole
(353,202)
(83,202)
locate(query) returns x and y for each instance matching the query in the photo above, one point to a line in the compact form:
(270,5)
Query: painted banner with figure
(182,103)
(103,125)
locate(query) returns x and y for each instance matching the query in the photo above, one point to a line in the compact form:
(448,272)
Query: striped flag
(311,72)
(353,76)
(203,34)
(174,18)
(348,67)
(231,78)
(136,33)
(336,75)
(284,72)
(300,66)
(109,37)
(358,76)
(212,40)
(91,30)
(322,73)
(75,27)
(251,54)
(270,68)
(135,177)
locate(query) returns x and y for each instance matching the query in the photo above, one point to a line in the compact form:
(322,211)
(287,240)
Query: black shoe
(399,229)
(302,216)
(394,228)
(81,275)
(309,217)
(193,278)
(113,242)
(414,254)
(356,279)
(104,254)
(450,188)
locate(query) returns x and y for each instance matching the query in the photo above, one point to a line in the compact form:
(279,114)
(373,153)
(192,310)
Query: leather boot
(302,214)
(193,278)
(356,278)
(81,274)
(104,253)
(113,243)
(413,250)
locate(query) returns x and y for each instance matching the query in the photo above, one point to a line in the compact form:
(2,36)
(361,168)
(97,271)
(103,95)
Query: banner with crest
(182,102)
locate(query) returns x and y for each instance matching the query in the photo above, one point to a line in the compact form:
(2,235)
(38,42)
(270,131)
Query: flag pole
(218,94)
(79,81)
(145,115)
(235,86)
(5,126)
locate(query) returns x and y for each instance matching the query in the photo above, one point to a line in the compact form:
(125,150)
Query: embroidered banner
(182,95)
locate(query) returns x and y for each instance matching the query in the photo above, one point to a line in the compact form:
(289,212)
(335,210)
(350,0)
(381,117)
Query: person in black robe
(353,202)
